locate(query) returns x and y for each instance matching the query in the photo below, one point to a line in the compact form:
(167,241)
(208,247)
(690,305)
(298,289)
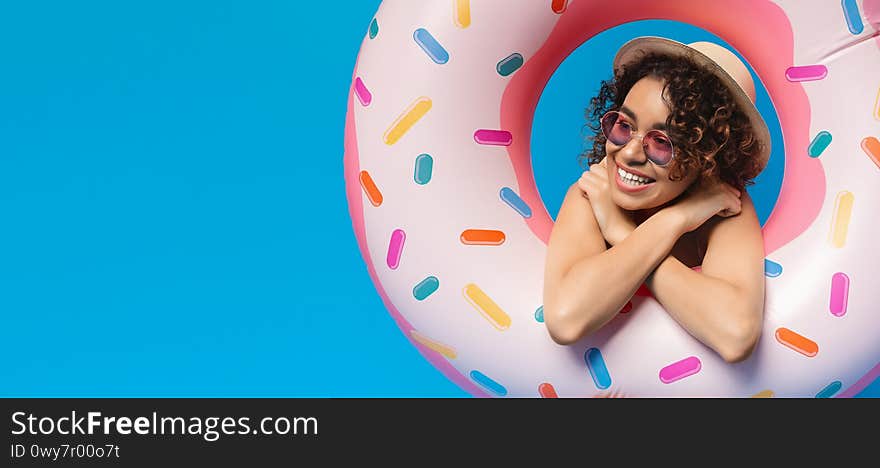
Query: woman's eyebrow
(629,112)
(632,115)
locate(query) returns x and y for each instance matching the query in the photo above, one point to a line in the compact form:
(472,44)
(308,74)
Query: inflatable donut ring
(453,231)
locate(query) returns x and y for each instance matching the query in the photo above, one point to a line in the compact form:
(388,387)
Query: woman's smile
(631,182)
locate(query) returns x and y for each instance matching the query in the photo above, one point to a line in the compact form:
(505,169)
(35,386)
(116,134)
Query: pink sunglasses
(618,130)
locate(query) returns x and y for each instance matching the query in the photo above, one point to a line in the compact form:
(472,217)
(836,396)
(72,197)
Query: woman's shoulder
(575,225)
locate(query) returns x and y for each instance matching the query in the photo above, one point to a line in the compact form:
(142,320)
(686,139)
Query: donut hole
(560,134)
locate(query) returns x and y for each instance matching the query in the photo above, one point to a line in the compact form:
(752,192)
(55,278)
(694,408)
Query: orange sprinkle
(482,237)
(370,189)
(797,342)
(871,145)
(547,391)
(764,394)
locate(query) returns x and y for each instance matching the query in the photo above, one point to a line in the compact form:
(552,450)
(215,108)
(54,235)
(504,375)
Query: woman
(678,139)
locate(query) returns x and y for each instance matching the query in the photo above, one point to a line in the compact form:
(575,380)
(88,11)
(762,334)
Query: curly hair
(711,134)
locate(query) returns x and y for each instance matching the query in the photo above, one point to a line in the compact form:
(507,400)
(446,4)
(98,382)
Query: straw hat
(717,59)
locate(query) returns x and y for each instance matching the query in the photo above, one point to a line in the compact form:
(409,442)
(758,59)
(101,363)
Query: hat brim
(632,49)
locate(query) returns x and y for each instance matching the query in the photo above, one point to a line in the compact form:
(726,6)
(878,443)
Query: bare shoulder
(735,248)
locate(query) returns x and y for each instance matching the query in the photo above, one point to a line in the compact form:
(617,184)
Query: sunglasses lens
(658,147)
(616,130)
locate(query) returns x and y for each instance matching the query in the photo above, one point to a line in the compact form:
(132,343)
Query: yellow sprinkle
(877,106)
(462,13)
(486,306)
(407,119)
(764,394)
(840,221)
(434,345)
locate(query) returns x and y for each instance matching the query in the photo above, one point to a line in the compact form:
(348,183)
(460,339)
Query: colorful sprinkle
(362,93)
(830,390)
(488,383)
(374,28)
(395,248)
(681,369)
(853,18)
(558,6)
(598,369)
(486,306)
(771,268)
(509,64)
(493,137)
(482,237)
(424,168)
(370,189)
(764,394)
(514,201)
(433,345)
(407,119)
(839,294)
(819,143)
(539,314)
(430,45)
(426,287)
(840,221)
(547,391)
(462,13)
(877,111)
(797,342)
(871,146)
(806,73)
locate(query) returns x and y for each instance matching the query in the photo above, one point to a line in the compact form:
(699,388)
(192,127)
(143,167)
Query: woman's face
(644,109)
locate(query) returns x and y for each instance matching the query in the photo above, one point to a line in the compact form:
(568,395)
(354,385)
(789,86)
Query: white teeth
(632,179)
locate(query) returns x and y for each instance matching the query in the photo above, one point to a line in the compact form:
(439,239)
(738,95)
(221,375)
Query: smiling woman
(678,138)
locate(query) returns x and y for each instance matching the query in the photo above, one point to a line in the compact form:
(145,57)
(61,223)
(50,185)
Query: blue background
(174,213)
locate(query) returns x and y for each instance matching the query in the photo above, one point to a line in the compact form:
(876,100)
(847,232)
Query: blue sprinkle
(430,45)
(511,198)
(424,168)
(426,287)
(772,269)
(819,143)
(597,367)
(853,18)
(488,383)
(374,28)
(830,390)
(509,64)
(539,314)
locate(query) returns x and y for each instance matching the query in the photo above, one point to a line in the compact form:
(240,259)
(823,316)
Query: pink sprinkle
(806,73)
(395,248)
(839,294)
(493,137)
(681,369)
(362,93)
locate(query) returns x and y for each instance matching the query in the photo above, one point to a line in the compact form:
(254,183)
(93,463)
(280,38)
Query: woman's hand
(712,198)
(614,222)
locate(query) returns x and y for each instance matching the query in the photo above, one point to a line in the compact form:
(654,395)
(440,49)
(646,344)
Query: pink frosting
(871,8)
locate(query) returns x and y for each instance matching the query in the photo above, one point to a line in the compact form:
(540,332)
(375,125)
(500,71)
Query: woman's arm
(722,306)
(583,291)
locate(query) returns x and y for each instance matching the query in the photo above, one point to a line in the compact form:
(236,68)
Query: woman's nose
(632,152)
